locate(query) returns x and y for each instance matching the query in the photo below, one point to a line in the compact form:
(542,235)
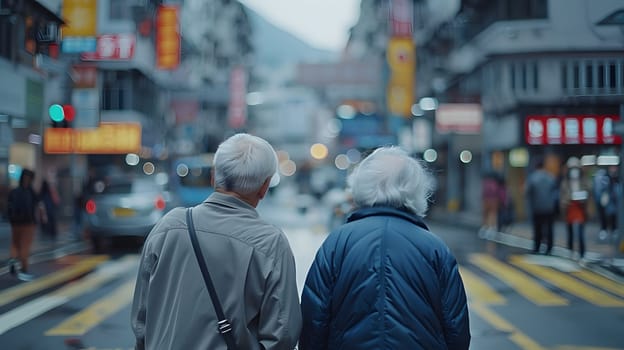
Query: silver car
(125,207)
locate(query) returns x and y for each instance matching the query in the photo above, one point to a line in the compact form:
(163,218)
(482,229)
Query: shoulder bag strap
(224,326)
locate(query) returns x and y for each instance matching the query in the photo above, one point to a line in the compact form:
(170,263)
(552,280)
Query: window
(524,76)
(6,37)
(589,74)
(576,76)
(601,76)
(535,72)
(113,91)
(512,76)
(120,10)
(612,75)
(564,76)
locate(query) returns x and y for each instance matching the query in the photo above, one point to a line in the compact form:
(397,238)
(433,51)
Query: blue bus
(193,178)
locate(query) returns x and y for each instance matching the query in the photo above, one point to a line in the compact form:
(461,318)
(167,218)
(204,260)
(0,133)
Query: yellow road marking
(479,290)
(88,318)
(499,323)
(568,284)
(53,279)
(570,347)
(601,281)
(521,282)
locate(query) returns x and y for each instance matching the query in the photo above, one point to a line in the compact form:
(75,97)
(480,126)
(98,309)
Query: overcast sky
(321,23)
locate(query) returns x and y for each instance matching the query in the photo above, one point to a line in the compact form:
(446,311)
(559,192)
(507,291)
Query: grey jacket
(252,268)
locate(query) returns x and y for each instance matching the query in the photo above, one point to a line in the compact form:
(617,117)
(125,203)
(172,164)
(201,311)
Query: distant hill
(276,47)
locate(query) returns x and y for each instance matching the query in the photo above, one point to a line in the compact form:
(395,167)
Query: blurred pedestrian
(505,208)
(490,196)
(249,261)
(23,212)
(383,280)
(573,201)
(607,189)
(542,193)
(51,201)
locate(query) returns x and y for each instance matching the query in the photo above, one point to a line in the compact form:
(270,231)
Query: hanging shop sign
(401,56)
(112,47)
(108,138)
(168,40)
(571,129)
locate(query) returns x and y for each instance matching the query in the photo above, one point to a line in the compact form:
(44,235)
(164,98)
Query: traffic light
(61,116)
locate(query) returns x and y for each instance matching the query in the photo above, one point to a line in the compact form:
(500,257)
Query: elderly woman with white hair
(383,280)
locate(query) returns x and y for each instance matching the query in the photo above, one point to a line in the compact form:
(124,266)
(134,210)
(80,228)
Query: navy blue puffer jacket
(383,281)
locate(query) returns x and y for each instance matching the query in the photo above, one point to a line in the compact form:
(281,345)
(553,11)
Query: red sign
(185,111)
(84,76)
(112,47)
(401,18)
(167,37)
(237,113)
(571,129)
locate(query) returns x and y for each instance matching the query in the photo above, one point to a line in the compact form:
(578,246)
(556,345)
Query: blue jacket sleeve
(455,307)
(316,303)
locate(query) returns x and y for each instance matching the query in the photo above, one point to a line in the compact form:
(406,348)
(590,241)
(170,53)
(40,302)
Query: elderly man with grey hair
(383,280)
(250,262)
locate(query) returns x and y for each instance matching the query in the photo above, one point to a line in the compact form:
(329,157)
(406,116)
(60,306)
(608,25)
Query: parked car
(125,207)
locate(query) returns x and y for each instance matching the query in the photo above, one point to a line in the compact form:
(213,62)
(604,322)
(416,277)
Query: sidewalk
(601,254)
(42,250)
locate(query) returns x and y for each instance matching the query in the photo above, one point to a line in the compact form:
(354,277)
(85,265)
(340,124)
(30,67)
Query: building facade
(548,75)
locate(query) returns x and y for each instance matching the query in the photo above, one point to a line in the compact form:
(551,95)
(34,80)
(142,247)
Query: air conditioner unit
(48,34)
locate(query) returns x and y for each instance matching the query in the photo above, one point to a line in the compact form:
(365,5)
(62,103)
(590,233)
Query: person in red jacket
(574,193)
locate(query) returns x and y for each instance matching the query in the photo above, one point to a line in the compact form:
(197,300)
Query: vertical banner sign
(237,111)
(81,25)
(167,37)
(401,58)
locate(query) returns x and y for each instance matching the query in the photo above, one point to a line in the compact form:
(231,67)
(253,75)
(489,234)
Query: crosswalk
(541,281)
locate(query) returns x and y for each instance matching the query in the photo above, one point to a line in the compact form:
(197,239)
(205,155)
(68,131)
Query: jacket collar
(230,201)
(387,211)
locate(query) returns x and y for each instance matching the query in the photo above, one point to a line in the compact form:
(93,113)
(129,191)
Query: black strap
(223,325)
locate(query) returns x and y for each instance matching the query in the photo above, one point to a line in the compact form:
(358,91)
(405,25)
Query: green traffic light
(56,113)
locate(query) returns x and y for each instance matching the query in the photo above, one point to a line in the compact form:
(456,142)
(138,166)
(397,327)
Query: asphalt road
(516,300)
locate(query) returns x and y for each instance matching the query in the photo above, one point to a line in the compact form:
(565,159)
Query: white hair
(243,163)
(389,176)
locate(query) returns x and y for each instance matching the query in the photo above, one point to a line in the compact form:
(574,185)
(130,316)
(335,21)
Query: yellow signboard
(108,138)
(401,57)
(80,17)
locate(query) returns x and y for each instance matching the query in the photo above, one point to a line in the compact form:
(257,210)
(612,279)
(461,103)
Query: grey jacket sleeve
(138,312)
(280,314)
